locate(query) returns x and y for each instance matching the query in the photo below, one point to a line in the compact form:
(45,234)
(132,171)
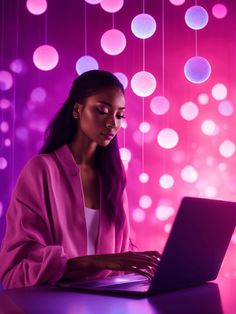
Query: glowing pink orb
(164,212)
(4,126)
(5,103)
(196,17)
(7,142)
(177,2)
(111,6)
(143,177)
(219,11)
(209,127)
(125,155)
(197,70)
(189,174)
(159,105)
(113,42)
(166,181)
(86,63)
(1,209)
(122,78)
(36,7)
(143,26)
(203,99)
(167,138)
(226,108)
(210,191)
(189,111)
(144,127)
(124,124)
(138,215)
(219,91)
(6,80)
(93,1)
(145,201)
(143,83)
(227,148)
(45,58)
(3,163)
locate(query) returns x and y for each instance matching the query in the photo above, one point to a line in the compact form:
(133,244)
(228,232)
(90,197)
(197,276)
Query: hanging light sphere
(111,6)
(167,138)
(143,26)
(92,1)
(86,63)
(143,83)
(113,42)
(196,17)
(122,78)
(36,7)
(219,11)
(159,105)
(6,80)
(45,58)
(177,2)
(197,70)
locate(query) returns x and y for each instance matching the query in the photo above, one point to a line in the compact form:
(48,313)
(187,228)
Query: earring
(76,115)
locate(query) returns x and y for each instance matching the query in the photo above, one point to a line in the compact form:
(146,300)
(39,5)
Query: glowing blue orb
(196,17)
(113,42)
(143,26)
(86,63)
(45,57)
(197,70)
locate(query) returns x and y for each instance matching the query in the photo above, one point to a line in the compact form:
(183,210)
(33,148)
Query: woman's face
(101,115)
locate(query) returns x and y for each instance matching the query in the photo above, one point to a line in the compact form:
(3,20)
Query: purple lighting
(197,70)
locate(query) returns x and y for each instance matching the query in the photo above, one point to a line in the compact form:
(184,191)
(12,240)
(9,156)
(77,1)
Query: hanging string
(113,20)
(85,30)
(143,103)
(46,28)
(163,47)
(2,55)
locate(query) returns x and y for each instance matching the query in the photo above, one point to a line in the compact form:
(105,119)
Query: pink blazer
(46,223)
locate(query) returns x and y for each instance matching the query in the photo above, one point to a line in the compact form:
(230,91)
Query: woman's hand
(143,263)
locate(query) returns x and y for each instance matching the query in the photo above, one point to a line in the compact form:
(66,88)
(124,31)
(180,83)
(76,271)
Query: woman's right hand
(143,263)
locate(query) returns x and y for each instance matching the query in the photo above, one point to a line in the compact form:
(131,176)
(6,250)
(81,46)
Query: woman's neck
(83,151)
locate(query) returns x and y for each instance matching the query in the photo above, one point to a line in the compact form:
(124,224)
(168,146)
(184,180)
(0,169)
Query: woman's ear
(76,110)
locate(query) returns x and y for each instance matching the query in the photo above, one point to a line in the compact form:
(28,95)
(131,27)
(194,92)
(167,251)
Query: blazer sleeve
(28,255)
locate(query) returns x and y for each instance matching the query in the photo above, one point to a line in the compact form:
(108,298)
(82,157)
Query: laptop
(193,253)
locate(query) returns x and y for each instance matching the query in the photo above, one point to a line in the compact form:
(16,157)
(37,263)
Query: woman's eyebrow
(109,105)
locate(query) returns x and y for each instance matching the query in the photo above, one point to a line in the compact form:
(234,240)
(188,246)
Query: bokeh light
(144,127)
(143,177)
(227,148)
(197,70)
(189,174)
(145,201)
(164,212)
(210,191)
(166,181)
(17,66)
(1,209)
(36,7)
(113,42)
(138,215)
(177,2)
(196,17)
(226,108)
(86,63)
(159,105)
(219,91)
(7,142)
(4,126)
(143,26)
(45,57)
(203,99)
(5,103)
(167,138)
(189,111)
(219,11)
(3,163)
(22,133)
(111,6)
(6,80)
(125,155)
(38,94)
(122,78)
(143,83)
(209,127)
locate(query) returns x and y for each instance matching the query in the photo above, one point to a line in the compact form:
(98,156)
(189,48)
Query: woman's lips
(108,136)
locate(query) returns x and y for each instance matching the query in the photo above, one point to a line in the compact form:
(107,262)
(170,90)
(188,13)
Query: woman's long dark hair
(62,130)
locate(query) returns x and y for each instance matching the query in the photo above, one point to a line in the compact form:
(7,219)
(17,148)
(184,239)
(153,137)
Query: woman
(68,215)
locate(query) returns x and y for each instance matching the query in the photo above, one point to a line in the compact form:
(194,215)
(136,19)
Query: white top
(92,222)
